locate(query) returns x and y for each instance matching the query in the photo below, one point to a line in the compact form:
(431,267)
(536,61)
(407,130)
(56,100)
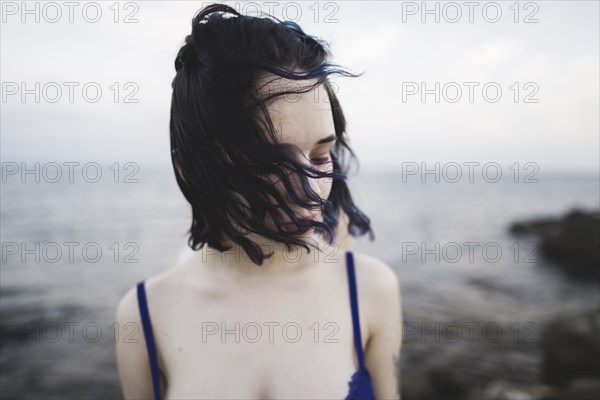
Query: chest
(258,343)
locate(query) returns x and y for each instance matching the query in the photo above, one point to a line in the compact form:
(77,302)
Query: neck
(282,262)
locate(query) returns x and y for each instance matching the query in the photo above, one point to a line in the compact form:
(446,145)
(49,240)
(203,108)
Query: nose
(300,191)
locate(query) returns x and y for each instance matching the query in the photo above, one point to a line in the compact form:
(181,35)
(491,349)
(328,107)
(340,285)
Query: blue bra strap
(147,326)
(354,306)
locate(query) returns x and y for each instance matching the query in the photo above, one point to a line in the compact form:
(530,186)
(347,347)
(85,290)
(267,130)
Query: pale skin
(188,301)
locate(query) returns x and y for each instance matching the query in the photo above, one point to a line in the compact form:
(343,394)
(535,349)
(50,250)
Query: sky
(538,62)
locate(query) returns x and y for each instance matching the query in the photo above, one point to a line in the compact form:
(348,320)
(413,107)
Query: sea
(71,248)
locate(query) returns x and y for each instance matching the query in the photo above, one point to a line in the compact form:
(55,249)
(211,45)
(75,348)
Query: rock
(573,241)
(570,347)
(500,390)
(537,227)
(435,382)
(580,389)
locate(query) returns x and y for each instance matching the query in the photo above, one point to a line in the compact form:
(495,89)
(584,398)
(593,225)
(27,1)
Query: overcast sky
(552,64)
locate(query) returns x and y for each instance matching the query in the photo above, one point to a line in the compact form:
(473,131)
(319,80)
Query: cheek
(325,184)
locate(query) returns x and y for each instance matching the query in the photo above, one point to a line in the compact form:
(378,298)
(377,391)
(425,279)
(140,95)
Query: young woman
(273,304)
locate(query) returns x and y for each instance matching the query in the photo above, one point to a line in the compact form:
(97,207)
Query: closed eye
(321,161)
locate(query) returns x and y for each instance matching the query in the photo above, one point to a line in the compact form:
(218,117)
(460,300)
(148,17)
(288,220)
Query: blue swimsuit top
(360,386)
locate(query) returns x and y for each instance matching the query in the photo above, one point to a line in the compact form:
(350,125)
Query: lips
(311,216)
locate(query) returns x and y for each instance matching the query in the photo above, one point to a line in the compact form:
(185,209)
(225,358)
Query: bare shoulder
(128,314)
(132,360)
(131,350)
(128,308)
(379,286)
(375,273)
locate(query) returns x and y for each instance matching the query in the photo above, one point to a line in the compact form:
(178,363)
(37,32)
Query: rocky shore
(563,360)
(563,365)
(571,242)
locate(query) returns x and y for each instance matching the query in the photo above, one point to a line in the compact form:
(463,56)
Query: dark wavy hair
(223,142)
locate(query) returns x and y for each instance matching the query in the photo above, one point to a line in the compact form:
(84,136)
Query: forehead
(301,119)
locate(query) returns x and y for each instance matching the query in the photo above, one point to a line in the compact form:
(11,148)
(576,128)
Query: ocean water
(140,230)
(503,274)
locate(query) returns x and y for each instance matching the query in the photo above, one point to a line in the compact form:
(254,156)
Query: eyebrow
(329,138)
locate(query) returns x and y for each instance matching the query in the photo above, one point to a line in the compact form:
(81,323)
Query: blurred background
(477,134)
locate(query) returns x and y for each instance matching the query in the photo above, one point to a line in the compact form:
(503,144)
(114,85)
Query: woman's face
(306,121)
